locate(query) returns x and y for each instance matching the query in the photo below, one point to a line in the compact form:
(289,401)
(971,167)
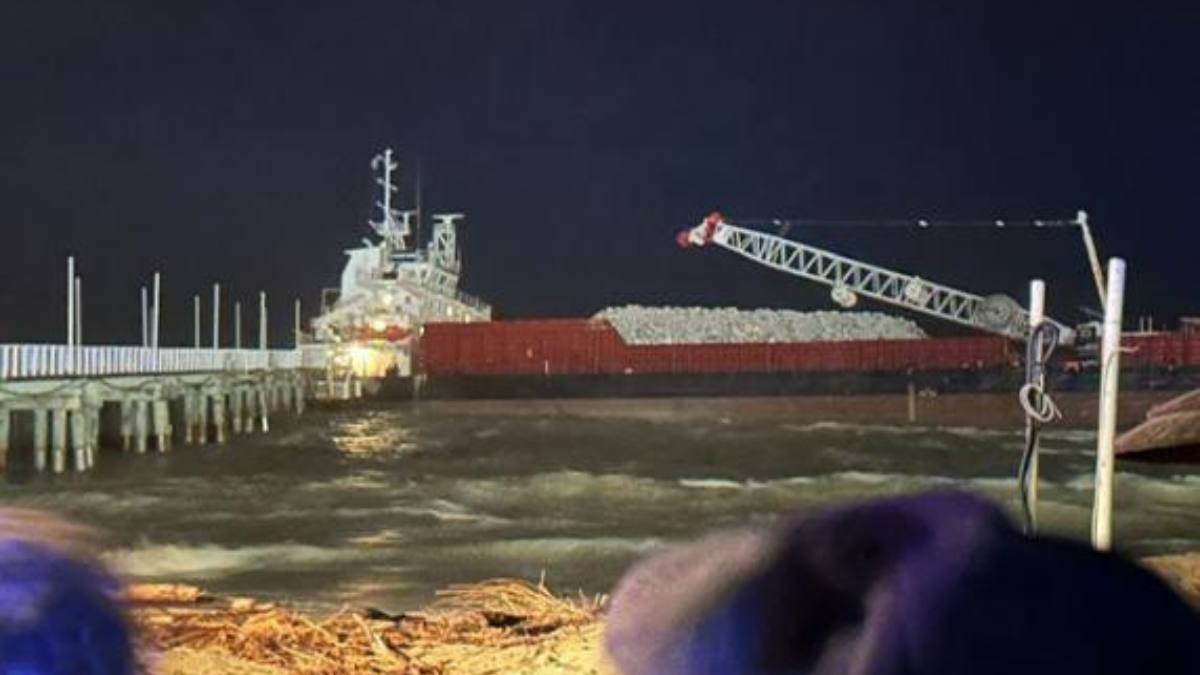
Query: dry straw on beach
(496,626)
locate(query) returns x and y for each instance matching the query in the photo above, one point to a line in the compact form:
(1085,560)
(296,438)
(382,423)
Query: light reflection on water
(380,507)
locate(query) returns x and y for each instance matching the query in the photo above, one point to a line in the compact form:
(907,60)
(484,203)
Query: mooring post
(1037,316)
(40,439)
(141,422)
(1110,373)
(162,424)
(58,437)
(300,394)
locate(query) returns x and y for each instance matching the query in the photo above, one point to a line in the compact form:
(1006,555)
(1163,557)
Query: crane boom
(850,278)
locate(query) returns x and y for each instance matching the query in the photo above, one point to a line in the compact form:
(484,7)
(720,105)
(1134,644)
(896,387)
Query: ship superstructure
(390,287)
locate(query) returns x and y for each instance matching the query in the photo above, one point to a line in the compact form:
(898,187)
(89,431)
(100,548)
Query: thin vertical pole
(70,301)
(78,311)
(196,319)
(296,328)
(157,310)
(262,320)
(1110,373)
(237,325)
(145,318)
(216,320)
(1037,315)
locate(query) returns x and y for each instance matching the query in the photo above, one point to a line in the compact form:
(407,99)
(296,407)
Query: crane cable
(1039,409)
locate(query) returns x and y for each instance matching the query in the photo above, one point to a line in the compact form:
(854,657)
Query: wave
(208,561)
(551,549)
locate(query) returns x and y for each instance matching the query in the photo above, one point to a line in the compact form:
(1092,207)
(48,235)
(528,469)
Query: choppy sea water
(380,507)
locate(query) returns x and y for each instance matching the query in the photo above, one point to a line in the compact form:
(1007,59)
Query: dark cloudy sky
(230,141)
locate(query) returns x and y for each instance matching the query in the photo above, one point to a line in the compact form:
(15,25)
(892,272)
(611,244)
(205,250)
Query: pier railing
(29,361)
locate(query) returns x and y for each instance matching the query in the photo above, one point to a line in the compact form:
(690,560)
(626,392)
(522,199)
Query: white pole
(78,311)
(196,320)
(156,310)
(1110,374)
(262,320)
(1037,315)
(216,342)
(70,301)
(296,328)
(237,325)
(145,318)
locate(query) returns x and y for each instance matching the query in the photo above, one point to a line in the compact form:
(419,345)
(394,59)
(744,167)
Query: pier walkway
(59,404)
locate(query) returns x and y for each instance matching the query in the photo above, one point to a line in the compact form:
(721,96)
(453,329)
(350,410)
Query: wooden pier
(59,404)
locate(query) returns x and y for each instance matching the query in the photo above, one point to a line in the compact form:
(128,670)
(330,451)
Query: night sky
(230,141)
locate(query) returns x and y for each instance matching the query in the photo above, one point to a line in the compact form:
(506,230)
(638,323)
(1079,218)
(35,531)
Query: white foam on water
(550,549)
(210,561)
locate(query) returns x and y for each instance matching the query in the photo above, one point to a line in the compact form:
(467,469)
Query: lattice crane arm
(851,278)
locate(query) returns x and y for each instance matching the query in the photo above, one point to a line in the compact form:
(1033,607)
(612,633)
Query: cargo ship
(401,327)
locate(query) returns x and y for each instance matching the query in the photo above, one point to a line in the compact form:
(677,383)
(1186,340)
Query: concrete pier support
(141,426)
(5,436)
(92,447)
(201,417)
(299,398)
(263,409)
(189,418)
(218,418)
(79,439)
(58,439)
(41,439)
(237,400)
(162,424)
(127,415)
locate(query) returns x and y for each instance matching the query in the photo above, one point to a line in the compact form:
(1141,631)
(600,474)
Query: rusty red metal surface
(588,347)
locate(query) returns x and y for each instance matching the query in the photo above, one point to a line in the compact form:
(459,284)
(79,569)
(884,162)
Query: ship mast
(393,233)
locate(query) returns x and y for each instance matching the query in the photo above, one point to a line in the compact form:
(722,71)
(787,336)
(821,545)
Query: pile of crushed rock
(691,325)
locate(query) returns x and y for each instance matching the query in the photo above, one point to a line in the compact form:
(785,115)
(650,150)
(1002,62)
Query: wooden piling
(93,435)
(189,418)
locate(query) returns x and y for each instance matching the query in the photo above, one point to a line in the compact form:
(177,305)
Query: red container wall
(581,347)
(584,347)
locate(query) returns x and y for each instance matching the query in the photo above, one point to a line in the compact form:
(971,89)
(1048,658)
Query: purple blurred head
(937,584)
(60,612)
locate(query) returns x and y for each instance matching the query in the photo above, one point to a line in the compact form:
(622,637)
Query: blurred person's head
(60,612)
(936,584)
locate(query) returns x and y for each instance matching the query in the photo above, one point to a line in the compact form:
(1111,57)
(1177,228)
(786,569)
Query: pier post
(201,417)
(189,417)
(93,435)
(218,415)
(162,425)
(40,439)
(236,409)
(912,402)
(5,436)
(263,410)
(58,438)
(300,393)
(141,420)
(127,414)
(79,439)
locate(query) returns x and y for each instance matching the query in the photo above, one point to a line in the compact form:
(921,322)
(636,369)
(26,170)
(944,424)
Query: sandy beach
(494,627)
